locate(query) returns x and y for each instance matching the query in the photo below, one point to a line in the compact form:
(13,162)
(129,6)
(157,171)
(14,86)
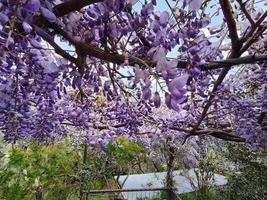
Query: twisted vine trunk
(169,175)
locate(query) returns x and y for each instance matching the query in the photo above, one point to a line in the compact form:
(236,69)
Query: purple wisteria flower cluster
(97,69)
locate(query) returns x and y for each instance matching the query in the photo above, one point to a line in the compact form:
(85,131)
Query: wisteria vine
(97,69)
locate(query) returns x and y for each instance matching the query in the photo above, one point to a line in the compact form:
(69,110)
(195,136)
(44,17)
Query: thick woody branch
(57,48)
(234,61)
(91,50)
(231,24)
(72,5)
(221,134)
(116,58)
(226,137)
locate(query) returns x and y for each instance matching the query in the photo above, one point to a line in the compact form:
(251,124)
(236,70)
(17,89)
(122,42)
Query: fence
(131,194)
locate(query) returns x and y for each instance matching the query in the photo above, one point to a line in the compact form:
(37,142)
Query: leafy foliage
(121,157)
(47,170)
(58,172)
(248,180)
(203,195)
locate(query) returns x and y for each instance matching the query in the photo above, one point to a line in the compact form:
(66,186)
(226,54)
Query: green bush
(248,180)
(39,171)
(58,171)
(203,195)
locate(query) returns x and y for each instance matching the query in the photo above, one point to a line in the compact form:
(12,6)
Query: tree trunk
(169,177)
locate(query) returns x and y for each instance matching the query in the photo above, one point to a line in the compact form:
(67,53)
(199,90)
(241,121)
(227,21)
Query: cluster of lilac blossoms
(111,75)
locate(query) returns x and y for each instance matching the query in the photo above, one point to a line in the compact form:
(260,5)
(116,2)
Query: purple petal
(3,18)
(33,5)
(168,100)
(182,100)
(10,41)
(146,94)
(178,82)
(50,68)
(155,26)
(164,17)
(174,104)
(35,44)
(159,54)
(161,65)
(157,100)
(165,75)
(147,9)
(194,5)
(175,92)
(27,28)
(102,7)
(139,75)
(50,16)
